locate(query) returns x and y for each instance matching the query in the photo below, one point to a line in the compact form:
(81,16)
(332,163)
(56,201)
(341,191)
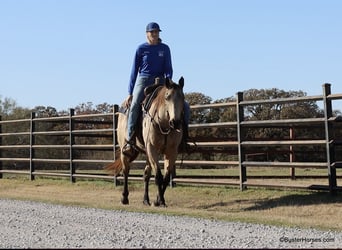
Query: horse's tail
(115,167)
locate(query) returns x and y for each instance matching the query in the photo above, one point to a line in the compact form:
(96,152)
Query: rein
(157,123)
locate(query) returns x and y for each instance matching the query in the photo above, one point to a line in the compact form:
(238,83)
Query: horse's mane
(160,97)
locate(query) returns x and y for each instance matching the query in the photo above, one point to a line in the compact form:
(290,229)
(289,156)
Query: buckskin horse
(160,133)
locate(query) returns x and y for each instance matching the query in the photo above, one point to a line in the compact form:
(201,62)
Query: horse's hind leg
(125,192)
(147,176)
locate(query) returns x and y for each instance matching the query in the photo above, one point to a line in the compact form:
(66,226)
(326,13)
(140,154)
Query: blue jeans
(136,108)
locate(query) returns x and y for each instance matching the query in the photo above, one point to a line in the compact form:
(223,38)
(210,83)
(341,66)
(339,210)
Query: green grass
(306,209)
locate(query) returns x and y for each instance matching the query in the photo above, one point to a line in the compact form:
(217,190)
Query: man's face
(153,36)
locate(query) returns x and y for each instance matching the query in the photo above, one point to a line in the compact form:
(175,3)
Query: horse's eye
(167,96)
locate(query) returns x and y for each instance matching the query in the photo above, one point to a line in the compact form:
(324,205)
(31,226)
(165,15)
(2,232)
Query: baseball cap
(152,26)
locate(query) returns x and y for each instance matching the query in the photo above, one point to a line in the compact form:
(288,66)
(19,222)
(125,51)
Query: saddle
(150,93)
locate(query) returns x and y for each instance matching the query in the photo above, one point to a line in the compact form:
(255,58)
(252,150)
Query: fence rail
(64,128)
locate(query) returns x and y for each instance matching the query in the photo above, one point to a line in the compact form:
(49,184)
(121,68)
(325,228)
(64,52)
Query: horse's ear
(181,82)
(168,83)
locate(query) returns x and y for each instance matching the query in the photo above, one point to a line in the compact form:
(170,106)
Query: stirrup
(129,148)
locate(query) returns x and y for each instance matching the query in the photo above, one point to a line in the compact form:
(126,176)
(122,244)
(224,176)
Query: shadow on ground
(314,198)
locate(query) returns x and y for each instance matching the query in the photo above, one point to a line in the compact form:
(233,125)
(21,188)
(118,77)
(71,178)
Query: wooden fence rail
(71,133)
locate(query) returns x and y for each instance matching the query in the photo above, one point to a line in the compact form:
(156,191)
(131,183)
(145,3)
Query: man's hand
(127,102)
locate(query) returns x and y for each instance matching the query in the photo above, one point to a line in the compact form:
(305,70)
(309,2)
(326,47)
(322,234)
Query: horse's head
(174,102)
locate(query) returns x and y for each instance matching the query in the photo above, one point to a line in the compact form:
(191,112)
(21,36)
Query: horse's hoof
(159,204)
(147,203)
(124,201)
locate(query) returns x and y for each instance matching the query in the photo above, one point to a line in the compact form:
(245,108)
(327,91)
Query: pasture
(281,207)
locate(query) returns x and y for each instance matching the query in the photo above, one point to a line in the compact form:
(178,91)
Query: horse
(160,133)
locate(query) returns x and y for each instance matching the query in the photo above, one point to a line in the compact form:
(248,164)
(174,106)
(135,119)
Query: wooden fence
(240,146)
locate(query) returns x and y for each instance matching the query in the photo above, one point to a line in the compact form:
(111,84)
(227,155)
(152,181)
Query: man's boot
(129,149)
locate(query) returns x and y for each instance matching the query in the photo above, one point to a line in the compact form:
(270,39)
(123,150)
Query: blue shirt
(151,61)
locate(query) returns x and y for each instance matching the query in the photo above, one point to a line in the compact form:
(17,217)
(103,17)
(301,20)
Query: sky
(62,53)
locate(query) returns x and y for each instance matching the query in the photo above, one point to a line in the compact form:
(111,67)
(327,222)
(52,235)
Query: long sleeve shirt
(151,61)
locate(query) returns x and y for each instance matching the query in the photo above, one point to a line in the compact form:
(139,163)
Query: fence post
(292,156)
(330,147)
(0,145)
(115,125)
(241,154)
(71,143)
(32,143)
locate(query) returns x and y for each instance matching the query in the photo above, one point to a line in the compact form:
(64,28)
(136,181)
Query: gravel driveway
(26,224)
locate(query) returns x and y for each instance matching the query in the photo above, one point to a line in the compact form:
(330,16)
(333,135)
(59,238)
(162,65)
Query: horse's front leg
(166,181)
(152,155)
(163,182)
(147,176)
(160,183)
(169,168)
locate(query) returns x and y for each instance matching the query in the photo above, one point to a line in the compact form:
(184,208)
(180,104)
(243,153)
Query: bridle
(156,121)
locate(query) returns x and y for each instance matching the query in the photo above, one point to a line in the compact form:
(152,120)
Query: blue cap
(152,26)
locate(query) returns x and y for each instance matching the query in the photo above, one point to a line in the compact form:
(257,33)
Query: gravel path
(25,224)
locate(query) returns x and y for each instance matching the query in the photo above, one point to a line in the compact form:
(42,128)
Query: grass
(305,209)
(256,171)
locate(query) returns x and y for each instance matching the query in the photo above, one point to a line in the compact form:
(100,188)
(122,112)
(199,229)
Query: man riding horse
(152,60)
(161,135)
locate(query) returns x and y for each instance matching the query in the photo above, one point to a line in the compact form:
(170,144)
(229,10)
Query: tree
(278,111)
(198,115)
(7,106)
(42,111)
